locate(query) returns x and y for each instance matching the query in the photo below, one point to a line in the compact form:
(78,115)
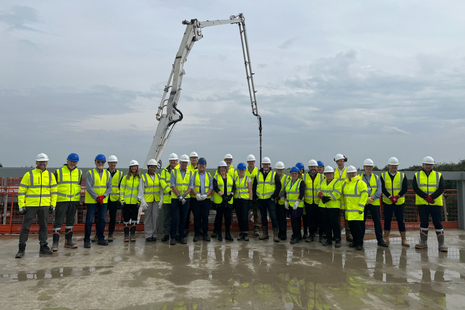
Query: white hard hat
(368,162)
(266,160)
(222,164)
(312,163)
(112,159)
(328,169)
(228,156)
(279,165)
(351,169)
(427,160)
(393,161)
(42,157)
(184,158)
(339,156)
(173,156)
(152,162)
(194,154)
(133,163)
(250,157)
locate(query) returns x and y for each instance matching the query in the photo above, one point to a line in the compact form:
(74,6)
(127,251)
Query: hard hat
(328,169)
(184,158)
(351,169)
(193,154)
(300,166)
(295,169)
(340,156)
(73,157)
(266,160)
(134,163)
(112,159)
(280,165)
(250,157)
(241,166)
(320,163)
(151,162)
(222,164)
(173,156)
(101,157)
(428,160)
(368,162)
(42,157)
(312,163)
(202,161)
(228,156)
(393,161)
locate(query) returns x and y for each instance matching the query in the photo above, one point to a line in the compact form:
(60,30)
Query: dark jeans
(356,230)
(130,212)
(112,209)
(166,218)
(330,223)
(191,210)
(226,212)
(178,217)
(242,213)
(68,209)
(100,225)
(399,212)
(312,218)
(281,214)
(256,217)
(270,206)
(29,216)
(201,211)
(296,223)
(424,212)
(376,216)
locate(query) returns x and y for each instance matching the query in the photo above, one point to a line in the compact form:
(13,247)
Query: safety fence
(11,219)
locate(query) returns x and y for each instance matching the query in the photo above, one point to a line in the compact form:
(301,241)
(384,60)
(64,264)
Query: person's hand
(296,205)
(100,199)
(144,206)
(204,197)
(286,205)
(325,199)
(220,193)
(430,199)
(370,200)
(198,197)
(51,209)
(320,194)
(22,210)
(160,204)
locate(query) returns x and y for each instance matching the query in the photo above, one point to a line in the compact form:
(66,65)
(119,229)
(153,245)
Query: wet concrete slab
(234,275)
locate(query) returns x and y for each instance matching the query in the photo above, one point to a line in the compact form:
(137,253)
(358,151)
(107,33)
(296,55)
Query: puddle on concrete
(53,273)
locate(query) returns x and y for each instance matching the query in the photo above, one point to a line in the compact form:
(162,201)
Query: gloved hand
(144,206)
(320,194)
(139,214)
(100,199)
(277,197)
(51,210)
(22,210)
(204,197)
(198,197)
(325,199)
(286,205)
(296,205)
(370,200)
(123,203)
(393,199)
(430,199)
(181,199)
(160,204)
(230,197)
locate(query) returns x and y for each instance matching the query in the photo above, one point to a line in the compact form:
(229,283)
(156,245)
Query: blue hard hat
(320,163)
(295,169)
(101,157)
(241,166)
(73,157)
(300,166)
(202,161)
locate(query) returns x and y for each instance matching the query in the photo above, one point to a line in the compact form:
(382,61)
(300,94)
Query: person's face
(228,161)
(183,165)
(428,167)
(134,169)
(71,164)
(266,167)
(251,164)
(173,163)
(194,161)
(368,169)
(41,165)
(393,168)
(152,169)
(99,164)
(329,176)
(223,170)
(351,175)
(241,173)
(202,167)
(112,165)
(294,175)
(340,163)
(312,170)
(280,171)
(321,169)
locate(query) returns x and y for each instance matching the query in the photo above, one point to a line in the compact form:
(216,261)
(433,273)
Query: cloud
(395,130)
(288,43)
(20,17)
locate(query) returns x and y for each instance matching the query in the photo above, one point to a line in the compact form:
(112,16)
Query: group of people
(317,200)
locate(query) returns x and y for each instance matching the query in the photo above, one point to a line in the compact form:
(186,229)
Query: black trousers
(29,216)
(130,212)
(296,223)
(425,210)
(68,209)
(112,207)
(356,230)
(281,214)
(329,223)
(201,210)
(226,212)
(312,218)
(242,212)
(376,216)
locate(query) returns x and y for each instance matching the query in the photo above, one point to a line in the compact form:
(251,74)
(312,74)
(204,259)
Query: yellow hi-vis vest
(130,190)
(284,180)
(151,187)
(68,184)
(293,192)
(100,184)
(252,174)
(428,184)
(311,194)
(116,182)
(197,185)
(355,196)
(242,188)
(193,170)
(37,189)
(165,181)
(374,187)
(219,179)
(340,175)
(393,187)
(265,187)
(182,184)
(333,191)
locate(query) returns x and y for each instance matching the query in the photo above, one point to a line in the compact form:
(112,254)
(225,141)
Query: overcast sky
(368,79)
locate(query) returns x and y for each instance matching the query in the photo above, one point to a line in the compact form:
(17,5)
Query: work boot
(110,237)
(310,238)
(404,239)
(305,234)
(349,238)
(441,245)
(359,247)
(102,242)
(241,237)
(294,240)
(95,238)
(338,244)
(283,236)
(386,236)
(133,233)
(69,240)
(246,236)
(186,232)
(264,235)
(206,237)
(87,245)
(382,243)
(44,249)
(172,241)
(165,238)
(321,238)
(352,245)
(256,231)
(126,234)
(326,242)
(275,235)
(21,250)
(183,240)
(214,234)
(56,240)
(220,236)
(423,239)
(197,235)
(228,237)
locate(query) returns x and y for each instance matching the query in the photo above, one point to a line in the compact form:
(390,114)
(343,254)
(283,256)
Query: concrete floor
(234,275)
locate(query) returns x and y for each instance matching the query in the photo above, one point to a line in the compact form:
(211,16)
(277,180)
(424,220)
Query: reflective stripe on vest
(293,192)
(428,184)
(151,188)
(41,190)
(217,198)
(284,181)
(265,187)
(352,198)
(329,190)
(373,185)
(116,182)
(100,185)
(393,187)
(68,184)
(197,184)
(182,184)
(242,188)
(310,188)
